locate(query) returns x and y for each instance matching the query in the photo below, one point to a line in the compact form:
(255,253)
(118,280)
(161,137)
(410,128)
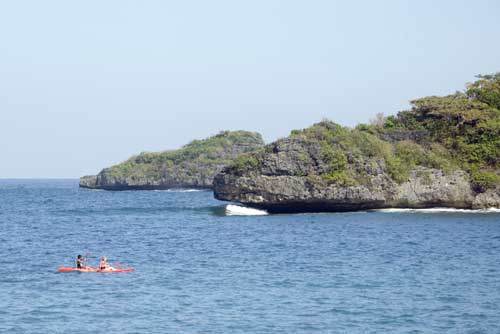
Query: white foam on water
(181,190)
(186,190)
(236,210)
(441,210)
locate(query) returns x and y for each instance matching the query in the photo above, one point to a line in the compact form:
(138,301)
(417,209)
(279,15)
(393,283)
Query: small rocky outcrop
(192,166)
(88,181)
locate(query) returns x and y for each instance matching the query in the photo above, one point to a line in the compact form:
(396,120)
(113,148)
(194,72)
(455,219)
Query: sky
(86,84)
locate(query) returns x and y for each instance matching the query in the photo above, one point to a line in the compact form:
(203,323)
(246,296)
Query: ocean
(200,268)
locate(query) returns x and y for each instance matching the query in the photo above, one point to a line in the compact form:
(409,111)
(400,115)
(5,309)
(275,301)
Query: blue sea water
(200,271)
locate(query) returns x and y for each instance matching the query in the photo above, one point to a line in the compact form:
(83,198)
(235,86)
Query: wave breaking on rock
(237,210)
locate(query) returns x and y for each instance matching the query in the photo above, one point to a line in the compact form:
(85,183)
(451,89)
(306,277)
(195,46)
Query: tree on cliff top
(486,90)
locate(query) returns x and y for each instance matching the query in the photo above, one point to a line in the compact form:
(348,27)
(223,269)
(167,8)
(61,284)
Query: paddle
(87,258)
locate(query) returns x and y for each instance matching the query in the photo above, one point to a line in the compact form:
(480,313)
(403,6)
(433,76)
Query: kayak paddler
(80,261)
(104,264)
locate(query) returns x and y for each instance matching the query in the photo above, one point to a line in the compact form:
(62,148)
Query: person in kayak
(80,261)
(104,264)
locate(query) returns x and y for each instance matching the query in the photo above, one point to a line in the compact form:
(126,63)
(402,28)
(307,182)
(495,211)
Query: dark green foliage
(486,90)
(336,166)
(339,178)
(326,130)
(406,120)
(407,155)
(360,141)
(335,159)
(369,144)
(372,129)
(390,122)
(244,163)
(397,169)
(415,155)
(411,153)
(484,179)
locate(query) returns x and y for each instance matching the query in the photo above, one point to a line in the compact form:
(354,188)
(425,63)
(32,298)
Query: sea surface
(200,270)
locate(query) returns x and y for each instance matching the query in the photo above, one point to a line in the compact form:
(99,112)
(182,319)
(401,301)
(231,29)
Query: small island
(192,166)
(443,152)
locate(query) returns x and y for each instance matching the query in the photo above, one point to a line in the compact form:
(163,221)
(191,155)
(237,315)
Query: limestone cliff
(292,175)
(444,152)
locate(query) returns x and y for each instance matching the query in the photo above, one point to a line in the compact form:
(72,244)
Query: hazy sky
(86,84)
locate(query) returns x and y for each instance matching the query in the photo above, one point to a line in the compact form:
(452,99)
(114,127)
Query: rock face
(401,135)
(297,194)
(88,181)
(192,166)
(301,174)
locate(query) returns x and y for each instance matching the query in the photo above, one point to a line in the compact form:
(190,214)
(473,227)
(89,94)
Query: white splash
(180,190)
(236,210)
(187,190)
(441,210)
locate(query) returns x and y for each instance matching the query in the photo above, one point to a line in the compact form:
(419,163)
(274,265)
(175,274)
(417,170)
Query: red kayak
(93,270)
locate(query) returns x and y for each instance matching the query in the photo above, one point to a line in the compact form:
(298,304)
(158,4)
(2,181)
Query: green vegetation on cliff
(459,131)
(466,123)
(244,163)
(211,153)
(193,165)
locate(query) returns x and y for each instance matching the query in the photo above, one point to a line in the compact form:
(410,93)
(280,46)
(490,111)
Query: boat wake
(441,210)
(236,210)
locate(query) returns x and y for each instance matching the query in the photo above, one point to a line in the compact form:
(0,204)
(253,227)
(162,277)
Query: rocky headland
(443,152)
(192,166)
